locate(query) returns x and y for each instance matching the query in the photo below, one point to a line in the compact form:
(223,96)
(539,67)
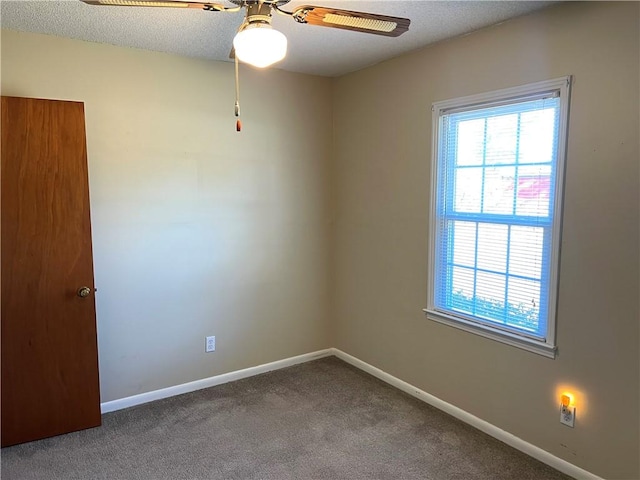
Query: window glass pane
(525,256)
(468,197)
(462,289)
(470,142)
(502,137)
(524,303)
(490,295)
(533,191)
(492,247)
(537,135)
(498,190)
(464,246)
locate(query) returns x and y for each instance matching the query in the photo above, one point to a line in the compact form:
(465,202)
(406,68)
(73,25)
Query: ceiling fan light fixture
(258,44)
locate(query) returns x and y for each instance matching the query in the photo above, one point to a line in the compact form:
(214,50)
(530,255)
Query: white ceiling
(312,49)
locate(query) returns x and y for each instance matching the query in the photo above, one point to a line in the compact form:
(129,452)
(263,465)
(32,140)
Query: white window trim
(546,347)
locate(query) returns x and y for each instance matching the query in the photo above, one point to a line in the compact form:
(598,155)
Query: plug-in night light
(567,410)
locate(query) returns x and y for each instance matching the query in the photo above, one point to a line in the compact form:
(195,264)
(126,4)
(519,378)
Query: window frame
(562,86)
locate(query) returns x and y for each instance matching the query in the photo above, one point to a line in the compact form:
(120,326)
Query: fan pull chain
(237,107)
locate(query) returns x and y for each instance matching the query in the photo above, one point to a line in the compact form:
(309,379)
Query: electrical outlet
(210,344)
(568,416)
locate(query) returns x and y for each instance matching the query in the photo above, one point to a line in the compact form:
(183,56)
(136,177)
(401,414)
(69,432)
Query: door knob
(84,292)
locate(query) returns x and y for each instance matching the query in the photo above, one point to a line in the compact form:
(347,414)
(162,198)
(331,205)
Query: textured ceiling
(313,50)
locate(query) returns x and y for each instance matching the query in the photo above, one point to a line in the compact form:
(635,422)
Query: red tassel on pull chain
(238,125)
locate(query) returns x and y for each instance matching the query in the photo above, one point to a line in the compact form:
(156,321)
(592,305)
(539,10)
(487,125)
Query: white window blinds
(493,248)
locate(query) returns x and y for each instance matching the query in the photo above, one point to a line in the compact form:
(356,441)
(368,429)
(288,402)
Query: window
(497,178)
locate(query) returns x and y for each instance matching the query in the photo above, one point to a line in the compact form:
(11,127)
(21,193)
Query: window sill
(494,334)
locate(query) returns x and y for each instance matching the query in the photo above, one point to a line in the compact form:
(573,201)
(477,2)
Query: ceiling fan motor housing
(244,3)
(258,12)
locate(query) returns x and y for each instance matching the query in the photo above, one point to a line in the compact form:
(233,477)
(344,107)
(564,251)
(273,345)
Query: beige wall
(197,230)
(381,178)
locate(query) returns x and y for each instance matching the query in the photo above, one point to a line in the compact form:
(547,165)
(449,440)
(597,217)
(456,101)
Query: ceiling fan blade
(156,3)
(350,20)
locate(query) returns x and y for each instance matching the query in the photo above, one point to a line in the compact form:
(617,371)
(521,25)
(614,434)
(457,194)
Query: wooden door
(49,347)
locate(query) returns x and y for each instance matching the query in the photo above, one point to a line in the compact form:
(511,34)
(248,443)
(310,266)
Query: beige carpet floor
(319,420)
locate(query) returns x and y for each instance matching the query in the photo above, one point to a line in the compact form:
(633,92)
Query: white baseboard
(486,427)
(210,382)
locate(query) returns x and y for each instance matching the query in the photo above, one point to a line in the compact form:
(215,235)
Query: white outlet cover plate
(210,344)
(568,416)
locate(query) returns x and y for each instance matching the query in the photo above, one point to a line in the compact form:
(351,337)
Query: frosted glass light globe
(260,45)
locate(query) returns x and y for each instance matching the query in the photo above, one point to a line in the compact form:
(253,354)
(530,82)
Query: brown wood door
(49,348)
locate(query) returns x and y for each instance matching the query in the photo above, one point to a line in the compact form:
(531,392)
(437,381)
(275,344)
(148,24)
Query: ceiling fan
(257,43)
